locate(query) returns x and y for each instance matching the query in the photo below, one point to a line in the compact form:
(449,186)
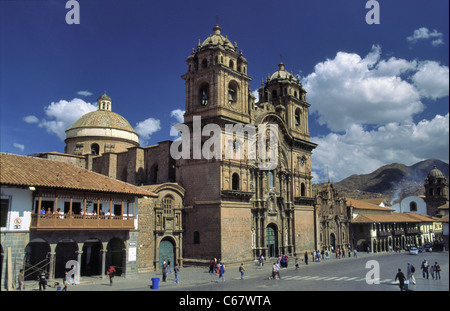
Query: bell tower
(217,83)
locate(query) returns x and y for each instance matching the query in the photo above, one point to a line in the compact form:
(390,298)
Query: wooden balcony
(81,222)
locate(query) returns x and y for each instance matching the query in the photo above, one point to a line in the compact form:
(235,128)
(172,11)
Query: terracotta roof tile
(389,218)
(28,171)
(358,204)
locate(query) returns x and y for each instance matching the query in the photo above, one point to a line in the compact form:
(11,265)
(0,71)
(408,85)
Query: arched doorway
(272,240)
(116,255)
(66,250)
(166,251)
(333,242)
(36,258)
(91,259)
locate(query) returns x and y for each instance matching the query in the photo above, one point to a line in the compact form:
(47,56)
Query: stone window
(167,205)
(196,237)
(235,182)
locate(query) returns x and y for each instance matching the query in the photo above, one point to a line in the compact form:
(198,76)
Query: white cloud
(84,93)
(146,128)
(31,119)
(358,151)
(178,114)
(351,90)
(19,146)
(432,79)
(424,34)
(62,114)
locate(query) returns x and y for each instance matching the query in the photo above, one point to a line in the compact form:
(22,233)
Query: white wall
(20,204)
(404,205)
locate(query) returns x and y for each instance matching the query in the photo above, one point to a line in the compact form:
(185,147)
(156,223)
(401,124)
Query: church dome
(281,74)
(102,119)
(100,131)
(435,173)
(216,39)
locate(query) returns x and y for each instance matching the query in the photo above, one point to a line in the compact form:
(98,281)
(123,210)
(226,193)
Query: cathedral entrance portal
(166,252)
(333,242)
(272,240)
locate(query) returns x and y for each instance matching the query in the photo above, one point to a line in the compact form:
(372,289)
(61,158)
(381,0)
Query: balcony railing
(81,222)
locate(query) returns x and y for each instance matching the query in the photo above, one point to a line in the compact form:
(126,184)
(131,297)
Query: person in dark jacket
(401,278)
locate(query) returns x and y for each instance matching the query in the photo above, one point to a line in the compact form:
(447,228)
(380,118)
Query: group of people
(325,254)
(427,269)
(217,267)
(434,270)
(166,267)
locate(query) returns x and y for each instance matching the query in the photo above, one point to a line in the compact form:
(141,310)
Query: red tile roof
(358,204)
(27,171)
(394,217)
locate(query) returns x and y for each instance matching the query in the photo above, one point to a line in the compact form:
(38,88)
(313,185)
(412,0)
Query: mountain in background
(392,182)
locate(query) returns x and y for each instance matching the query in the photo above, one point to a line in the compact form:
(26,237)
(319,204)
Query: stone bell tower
(217,81)
(217,199)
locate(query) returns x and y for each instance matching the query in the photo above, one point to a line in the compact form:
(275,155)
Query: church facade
(234,208)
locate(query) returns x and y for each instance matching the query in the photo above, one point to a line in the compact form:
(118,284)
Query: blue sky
(379,93)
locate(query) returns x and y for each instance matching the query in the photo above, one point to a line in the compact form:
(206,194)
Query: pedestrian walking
(242,271)
(410,269)
(168,266)
(261,261)
(437,270)
(211,266)
(355,253)
(318,256)
(42,278)
(274,272)
(221,273)
(296,263)
(20,279)
(111,272)
(176,270)
(306,257)
(278,270)
(164,272)
(401,278)
(432,272)
(424,268)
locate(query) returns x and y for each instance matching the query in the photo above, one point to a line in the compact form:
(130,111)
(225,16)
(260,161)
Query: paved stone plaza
(345,274)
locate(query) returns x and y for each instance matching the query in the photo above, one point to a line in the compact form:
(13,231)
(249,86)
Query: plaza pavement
(198,278)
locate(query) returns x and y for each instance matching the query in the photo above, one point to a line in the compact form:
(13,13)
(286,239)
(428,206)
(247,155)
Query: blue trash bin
(155,283)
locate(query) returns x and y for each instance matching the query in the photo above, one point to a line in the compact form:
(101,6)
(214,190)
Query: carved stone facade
(334,220)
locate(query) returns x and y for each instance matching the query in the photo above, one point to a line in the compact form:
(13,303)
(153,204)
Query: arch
(333,241)
(297,117)
(166,250)
(412,206)
(36,258)
(204,94)
(233,89)
(204,63)
(95,149)
(115,255)
(272,240)
(196,237)
(235,181)
(91,258)
(66,249)
(302,189)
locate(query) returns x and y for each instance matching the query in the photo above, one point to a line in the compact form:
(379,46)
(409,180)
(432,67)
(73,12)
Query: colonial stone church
(228,208)
(232,209)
